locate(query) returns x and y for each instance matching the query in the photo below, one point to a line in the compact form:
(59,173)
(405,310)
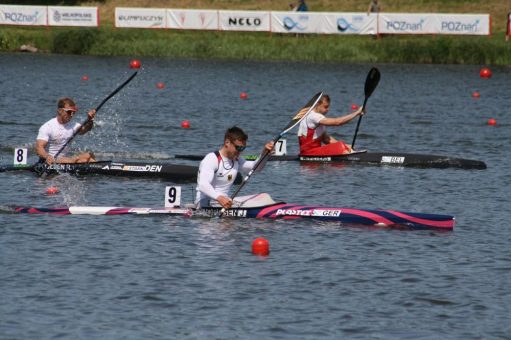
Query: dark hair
(235,133)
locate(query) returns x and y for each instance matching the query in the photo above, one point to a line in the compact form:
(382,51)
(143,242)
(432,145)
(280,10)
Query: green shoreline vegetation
(109,41)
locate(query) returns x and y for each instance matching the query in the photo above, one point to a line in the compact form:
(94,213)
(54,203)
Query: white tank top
(57,135)
(216,177)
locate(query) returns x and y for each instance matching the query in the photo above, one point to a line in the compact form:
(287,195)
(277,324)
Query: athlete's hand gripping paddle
(295,121)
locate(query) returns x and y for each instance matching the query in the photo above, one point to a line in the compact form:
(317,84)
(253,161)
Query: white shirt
(57,135)
(312,122)
(212,183)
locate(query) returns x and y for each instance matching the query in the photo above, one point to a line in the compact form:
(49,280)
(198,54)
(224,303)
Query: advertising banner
(244,21)
(140,17)
(465,24)
(432,23)
(296,22)
(349,23)
(406,23)
(192,19)
(73,16)
(23,15)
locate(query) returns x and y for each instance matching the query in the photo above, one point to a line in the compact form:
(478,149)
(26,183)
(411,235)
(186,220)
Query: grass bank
(108,41)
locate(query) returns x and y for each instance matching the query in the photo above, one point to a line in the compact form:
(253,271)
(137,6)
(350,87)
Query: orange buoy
(160,85)
(185,124)
(135,63)
(260,246)
(52,190)
(485,73)
(476,94)
(354,106)
(492,122)
(85,78)
(243,95)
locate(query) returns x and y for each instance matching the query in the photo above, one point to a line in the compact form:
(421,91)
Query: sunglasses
(69,111)
(238,148)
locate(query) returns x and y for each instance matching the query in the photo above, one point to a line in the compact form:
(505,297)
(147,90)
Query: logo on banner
(20,17)
(244,21)
(405,26)
(202,18)
(457,26)
(57,16)
(290,24)
(343,25)
(182,18)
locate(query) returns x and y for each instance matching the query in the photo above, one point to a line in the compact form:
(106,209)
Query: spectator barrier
(254,21)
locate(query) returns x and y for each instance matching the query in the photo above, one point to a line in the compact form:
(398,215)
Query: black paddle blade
(372,80)
(303,112)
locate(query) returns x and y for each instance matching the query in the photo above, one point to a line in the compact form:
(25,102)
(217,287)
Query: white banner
(73,16)
(430,23)
(349,23)
(466,24)
(406,23)
(244,21)
(140,17)
(23,15)
(296,22)
(192,19)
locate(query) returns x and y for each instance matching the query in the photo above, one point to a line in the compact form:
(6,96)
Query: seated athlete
(312,135)
(218,170)
(54,134)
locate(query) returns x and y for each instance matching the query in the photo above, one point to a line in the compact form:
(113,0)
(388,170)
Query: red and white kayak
(273,211)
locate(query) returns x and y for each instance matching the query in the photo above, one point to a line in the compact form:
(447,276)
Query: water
(172,277)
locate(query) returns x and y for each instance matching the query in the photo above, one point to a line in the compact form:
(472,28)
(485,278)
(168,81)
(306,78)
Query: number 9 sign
(172,197)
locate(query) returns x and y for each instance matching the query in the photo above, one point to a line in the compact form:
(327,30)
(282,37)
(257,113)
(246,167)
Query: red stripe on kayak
(439,224)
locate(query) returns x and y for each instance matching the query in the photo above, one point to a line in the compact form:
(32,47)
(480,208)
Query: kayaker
(218,170)
(54,134)
(312,135)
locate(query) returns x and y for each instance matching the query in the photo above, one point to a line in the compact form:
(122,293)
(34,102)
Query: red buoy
(52,190)
(492,122)
(476,95)
(135,63)
(85,78)
(185,124)
(243,95)
(485,73)
(260,246)
(354,106)
(160,85)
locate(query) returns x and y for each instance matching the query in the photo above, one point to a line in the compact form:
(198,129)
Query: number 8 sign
(20,156)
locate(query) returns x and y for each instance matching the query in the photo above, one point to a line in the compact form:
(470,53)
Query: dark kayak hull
(377,158)
(173,172)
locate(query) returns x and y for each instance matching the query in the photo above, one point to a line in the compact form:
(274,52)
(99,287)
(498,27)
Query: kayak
(276,210)
(174,172)
(375,158)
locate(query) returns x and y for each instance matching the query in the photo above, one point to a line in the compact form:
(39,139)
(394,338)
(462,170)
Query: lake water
(170,277)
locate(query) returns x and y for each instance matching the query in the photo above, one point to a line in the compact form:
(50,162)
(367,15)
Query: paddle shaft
(97,109)
(372,80)
(358,124)
(295,121)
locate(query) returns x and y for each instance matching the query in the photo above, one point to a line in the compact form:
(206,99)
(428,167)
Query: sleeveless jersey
(57,135)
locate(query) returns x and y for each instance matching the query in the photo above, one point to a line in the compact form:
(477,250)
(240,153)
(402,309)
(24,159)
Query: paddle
(295,121)
(97,109)
(373,77)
